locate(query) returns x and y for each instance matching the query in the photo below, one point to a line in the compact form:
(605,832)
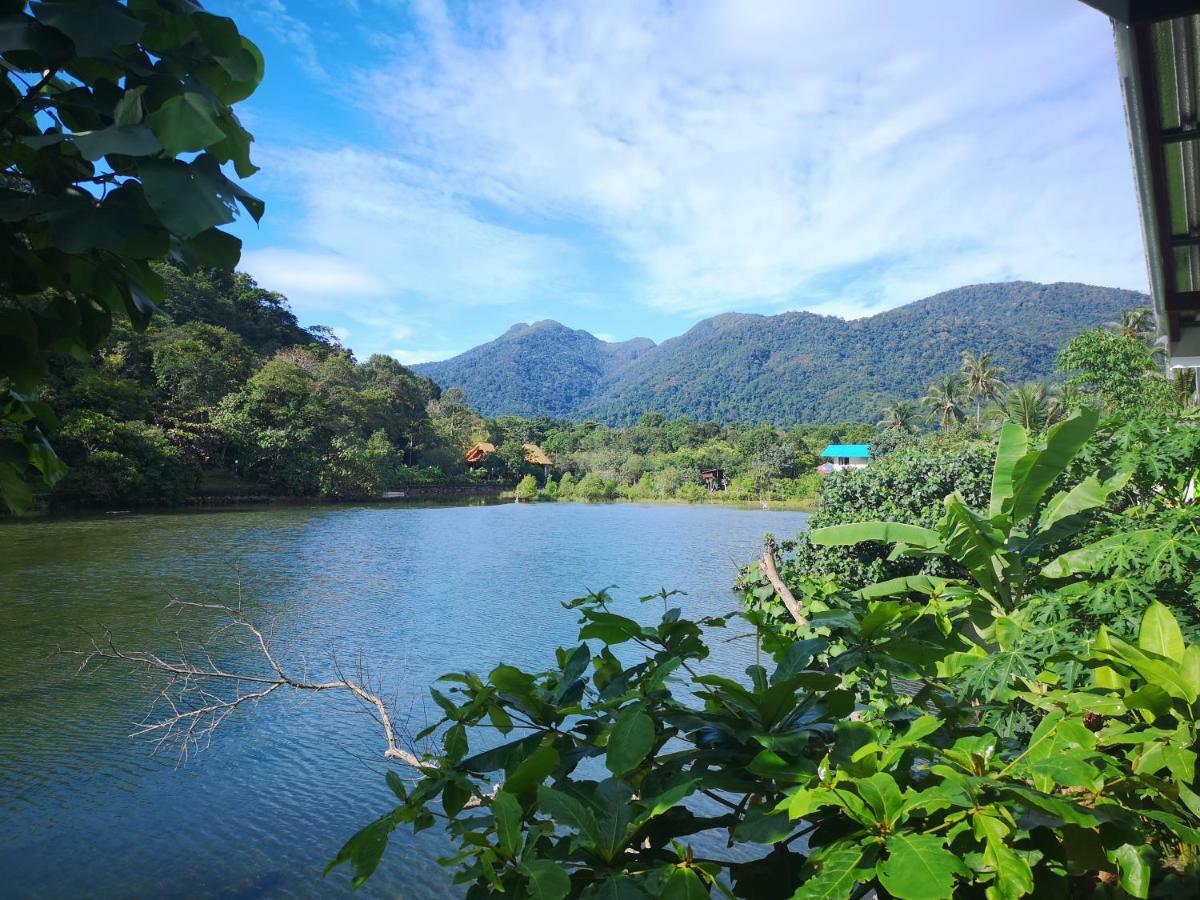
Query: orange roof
(479,451)
(534,454)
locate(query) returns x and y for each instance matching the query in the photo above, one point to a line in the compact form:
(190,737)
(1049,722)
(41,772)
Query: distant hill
(788,368)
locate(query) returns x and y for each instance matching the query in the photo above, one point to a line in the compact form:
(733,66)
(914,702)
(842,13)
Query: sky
(436,172)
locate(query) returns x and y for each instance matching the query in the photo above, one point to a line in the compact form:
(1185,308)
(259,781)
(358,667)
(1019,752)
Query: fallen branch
(771,570)
(199,694)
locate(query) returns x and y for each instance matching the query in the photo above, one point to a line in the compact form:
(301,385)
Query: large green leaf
(837,874)
(885,532)
(364,850)
(507,814)
(1014,444)
(547,879)
(1063,441)
(1063,515)
(185,123)
(1159,633)
(882,795)
(918,867)
(1089,559)
(684,883)
(631,739)
(976,544)
(96,28)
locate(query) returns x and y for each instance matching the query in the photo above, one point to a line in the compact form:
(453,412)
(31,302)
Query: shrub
(527,488)
(692,493)
(593,488)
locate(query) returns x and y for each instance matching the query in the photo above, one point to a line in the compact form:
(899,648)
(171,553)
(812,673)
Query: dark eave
(1158,58)
(1140,12)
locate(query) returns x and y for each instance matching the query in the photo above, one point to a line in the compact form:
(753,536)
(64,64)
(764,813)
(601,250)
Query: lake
(411,592)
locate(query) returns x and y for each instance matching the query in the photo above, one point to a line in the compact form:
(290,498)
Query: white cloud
(314,282)
(723,155)
(745,153)
(420,239)
(401,333)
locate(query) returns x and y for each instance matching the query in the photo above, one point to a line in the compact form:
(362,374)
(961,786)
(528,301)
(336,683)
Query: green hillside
(788,368)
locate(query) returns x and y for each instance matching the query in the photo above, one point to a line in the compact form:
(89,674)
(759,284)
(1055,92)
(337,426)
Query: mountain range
(787,368)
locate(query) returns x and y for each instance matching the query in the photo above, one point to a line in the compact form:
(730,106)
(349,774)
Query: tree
(943,403)
(901,416)
(981,379)
(1035,407)
(1118,371)
(195,365)
(1137,324)
(115,123)
(527,488)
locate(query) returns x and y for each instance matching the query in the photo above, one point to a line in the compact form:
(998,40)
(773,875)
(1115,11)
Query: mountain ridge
(783,368)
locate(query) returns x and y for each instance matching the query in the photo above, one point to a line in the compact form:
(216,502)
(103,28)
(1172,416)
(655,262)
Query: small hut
(480,452)
(534,455)
(714,479)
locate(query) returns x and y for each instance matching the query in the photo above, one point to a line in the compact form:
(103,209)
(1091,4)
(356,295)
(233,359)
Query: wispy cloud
(722,155)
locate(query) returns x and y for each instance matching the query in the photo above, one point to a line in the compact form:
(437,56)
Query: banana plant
(1003,549)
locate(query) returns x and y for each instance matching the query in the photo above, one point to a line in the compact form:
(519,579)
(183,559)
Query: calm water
(86,810)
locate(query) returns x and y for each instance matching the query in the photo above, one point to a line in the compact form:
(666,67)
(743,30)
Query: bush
(908,485)
(527,488)
(593,488)
(566,487)
(121,462)
(692,493)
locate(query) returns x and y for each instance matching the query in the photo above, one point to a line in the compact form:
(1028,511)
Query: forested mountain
(543,369)
(783,369)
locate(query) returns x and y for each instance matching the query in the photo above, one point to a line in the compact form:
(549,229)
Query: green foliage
(908,485)
(1118,371)
(117,122)
(121,462)
(595,777)
(784,369)
(527,488)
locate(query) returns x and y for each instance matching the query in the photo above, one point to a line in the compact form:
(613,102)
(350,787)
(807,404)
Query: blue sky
(435,172)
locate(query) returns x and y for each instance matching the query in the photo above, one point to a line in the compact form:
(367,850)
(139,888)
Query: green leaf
(1160,633)
(571,813)
(1063,441)
(1133,869)
(129,109)
(885,532)
(631,739)
(96,28)
(882,795)
(532,771)
(547,879)
(684,883)
(837,874)
(918,867)
(131,140)
(186,123)
(507,813)
(364,850)
(1014,444)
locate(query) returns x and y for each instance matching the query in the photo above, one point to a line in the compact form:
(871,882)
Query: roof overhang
(1159,62)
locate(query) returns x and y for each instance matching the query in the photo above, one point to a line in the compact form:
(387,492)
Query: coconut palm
(943,403)
(1136,324)
(1035,407)
(982,379)
(900,415)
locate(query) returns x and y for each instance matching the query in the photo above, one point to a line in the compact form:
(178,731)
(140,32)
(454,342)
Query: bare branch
(771,570)
(199,694)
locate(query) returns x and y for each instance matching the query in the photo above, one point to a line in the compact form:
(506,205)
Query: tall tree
(943,403)
(982,379)
(901,416)
(1035,407)
(1136,324)
(115,122)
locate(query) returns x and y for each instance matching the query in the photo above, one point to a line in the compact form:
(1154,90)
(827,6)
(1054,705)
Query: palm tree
(900,415)
(1035,407)
(982,379)
(1136,324)
(944,403)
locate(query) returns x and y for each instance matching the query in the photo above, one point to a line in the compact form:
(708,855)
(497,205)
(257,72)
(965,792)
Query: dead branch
(199,694)
(771,570)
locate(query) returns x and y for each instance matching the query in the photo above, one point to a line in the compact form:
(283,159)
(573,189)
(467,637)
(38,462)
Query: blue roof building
(845,456)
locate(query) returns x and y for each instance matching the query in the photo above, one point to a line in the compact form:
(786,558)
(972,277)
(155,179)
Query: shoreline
(449,496)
